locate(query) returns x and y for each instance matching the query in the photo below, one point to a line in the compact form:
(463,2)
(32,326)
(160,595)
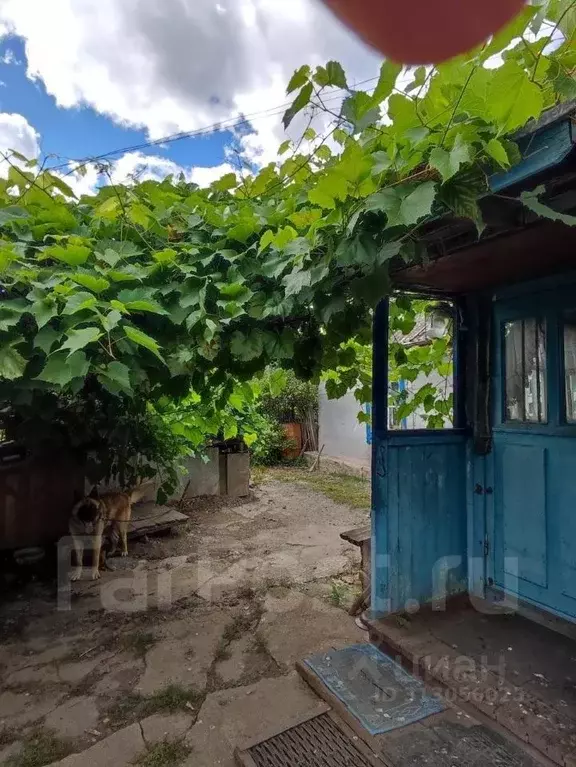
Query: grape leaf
(296,281)
(95,284)
(46,338)
(532,202)
(404,205)
(299,103)
(43,311)
(142,339)
(62,368)
(78,339)
(247,347)
(389,72)
(513,98)
(448,163)
(73,255)
(298,79)
(12,363)
(79,301)
(117,374)
(497,152)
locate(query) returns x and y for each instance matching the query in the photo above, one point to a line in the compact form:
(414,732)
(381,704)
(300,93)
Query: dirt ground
(187,648)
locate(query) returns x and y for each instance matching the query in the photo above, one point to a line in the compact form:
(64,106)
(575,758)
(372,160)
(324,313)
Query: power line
(207,130)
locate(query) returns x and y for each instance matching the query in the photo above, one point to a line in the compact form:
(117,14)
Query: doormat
(318,742)
(375,689)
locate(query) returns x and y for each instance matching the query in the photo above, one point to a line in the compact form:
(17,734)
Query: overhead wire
(222,125)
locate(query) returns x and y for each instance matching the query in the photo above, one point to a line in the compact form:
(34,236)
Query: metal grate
(315,743)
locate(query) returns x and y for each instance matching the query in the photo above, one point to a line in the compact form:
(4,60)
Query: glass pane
(570,365)
(525,350)
(420,372)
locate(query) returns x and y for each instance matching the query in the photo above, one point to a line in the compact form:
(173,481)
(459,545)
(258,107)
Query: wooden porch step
(545,723)
(440,739)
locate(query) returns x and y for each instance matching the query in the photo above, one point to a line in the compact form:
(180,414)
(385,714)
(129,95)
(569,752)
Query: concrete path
(188,647)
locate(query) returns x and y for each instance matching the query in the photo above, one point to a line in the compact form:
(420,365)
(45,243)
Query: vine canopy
(152,289)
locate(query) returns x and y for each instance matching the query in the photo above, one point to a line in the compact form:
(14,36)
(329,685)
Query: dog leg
(96,552)
(76,574)
(123,528)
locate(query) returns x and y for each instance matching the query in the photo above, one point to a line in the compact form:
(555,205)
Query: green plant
(346,489)
(294,401)
(425,357)
(169,699)
(138,642)
(166,753)
(149,291)
(271,443)
(40,747)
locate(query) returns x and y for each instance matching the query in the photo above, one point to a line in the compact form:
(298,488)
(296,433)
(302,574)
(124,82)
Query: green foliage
(427,359)
(268,449)
(144,293)
(287,398)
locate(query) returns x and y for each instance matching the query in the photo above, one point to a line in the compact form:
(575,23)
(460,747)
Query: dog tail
(139,492)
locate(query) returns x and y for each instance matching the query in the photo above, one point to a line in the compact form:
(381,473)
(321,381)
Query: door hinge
(486,546)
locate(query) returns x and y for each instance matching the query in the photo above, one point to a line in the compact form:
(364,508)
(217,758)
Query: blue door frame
(419,501)
(531,514)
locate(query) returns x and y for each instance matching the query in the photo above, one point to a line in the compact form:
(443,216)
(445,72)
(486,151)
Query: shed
(488,507)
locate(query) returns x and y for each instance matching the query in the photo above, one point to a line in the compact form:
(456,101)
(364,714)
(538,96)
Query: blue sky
(81,131)
(81,78)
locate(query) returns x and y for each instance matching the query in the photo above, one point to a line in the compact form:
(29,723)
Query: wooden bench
(361,537)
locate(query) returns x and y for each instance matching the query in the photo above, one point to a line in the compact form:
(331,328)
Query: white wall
(339,430)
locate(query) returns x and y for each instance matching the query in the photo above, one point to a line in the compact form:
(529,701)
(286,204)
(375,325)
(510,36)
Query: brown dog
(92,516)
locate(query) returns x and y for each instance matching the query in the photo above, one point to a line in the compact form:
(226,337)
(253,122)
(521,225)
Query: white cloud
(204,176)
(17,133)
(173,65)
(141,167)
(85,182)
(9,57)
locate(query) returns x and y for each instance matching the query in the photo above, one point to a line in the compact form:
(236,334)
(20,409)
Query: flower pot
(293,432)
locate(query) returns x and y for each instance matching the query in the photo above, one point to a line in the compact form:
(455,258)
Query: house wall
(339,430)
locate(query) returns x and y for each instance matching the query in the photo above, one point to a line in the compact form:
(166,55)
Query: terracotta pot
(293,432)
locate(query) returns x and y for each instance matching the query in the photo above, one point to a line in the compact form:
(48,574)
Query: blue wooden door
(532,497)
(418,502)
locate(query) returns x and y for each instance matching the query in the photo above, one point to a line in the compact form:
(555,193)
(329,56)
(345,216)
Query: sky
(80,78)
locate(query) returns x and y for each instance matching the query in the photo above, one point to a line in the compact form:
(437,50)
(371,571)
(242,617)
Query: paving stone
(18,708)
(186,656)
(166,726)
(42,674)
(10,751)
(73,718)
(295,626)
(122,674)
(231,717)
(53,653)
(232,669)
(72,673)
(118,749)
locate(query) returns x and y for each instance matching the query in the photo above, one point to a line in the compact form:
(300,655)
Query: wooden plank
(358,535)
(150,518)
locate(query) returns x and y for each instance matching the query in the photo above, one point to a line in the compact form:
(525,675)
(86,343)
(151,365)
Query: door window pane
(570,365)
(421,370)
(525,351)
